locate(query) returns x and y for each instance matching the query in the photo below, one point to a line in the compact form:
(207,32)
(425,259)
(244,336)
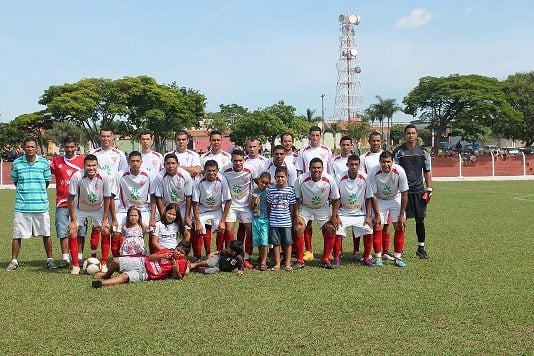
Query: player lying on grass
(163,264)
(228,260)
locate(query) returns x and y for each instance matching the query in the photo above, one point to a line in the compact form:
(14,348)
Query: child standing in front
(133,232)
(260,223)
(281,202)
(168,229)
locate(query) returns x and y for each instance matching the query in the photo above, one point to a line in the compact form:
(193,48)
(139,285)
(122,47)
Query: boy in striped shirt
(281,202)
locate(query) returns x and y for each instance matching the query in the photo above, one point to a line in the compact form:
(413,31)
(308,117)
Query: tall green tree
(520,90)
(358,130)
(334,128)
(34,124)
(60,129)
(384,109)
(446,100)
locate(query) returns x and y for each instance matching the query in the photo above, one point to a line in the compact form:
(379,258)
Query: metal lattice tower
(349,101)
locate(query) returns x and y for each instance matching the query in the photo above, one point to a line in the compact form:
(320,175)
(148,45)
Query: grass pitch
(474,296)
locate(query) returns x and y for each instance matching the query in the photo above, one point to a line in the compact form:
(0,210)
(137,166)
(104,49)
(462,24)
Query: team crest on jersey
(135,193)
(178,185)
(155,162)
(69,172)
(316,201)
(114,159)
(106,168)
(386,191)
(353,198)
(174,195)
(210,201)
(91,196)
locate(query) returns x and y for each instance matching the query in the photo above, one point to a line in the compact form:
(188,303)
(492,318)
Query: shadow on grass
(33,264)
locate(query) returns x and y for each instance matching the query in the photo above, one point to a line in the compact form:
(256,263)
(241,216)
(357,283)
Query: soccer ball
(91,265)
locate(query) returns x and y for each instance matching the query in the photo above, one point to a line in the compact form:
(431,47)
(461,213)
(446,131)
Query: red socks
(377,241)
(398,241)
(116,243)
(308,232)
(299,243)
(207,242)
(219,241)
(386,238)
(73,248)
(338,247)
(196,244)
(329,242)
(105,243)
(95,238)
(228,236)
(248,244)
(367,245)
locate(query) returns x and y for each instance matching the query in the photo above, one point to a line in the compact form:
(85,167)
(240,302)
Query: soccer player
(313,150)
(134,188)
(189,160)
(290,156)
(111,160)
(278,160)
(316,191)
(159,265)
(371,162)
(152,161)
(215,151)
(89,197)
(173,185)
(339,162)
(416,162)
(211,203)
(281,202)
(389,187)
(355,209)
(240,177)
(31,175)
(63,167)
(254,158)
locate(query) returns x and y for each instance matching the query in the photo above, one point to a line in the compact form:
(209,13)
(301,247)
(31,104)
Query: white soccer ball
(91,265)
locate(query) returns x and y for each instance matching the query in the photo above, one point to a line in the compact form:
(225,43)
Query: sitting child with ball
(162,264)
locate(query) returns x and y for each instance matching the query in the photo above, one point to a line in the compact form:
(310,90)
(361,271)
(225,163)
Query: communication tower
(349,102)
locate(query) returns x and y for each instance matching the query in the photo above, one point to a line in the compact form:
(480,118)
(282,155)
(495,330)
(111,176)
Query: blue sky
(255,53)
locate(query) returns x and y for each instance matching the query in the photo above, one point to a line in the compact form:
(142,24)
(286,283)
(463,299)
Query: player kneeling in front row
(316,191)
(163,264)
(355,209)
(389,187)
(228,260)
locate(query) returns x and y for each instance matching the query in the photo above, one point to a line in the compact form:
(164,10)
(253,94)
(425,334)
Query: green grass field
(474,296)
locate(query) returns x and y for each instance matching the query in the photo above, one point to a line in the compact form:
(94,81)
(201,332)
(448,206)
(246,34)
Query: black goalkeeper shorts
(416,207)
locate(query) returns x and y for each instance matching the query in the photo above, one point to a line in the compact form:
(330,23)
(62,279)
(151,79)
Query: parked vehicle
(487,149)
(527,150)
(511,151)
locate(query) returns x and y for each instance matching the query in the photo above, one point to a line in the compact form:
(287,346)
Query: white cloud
(417,17)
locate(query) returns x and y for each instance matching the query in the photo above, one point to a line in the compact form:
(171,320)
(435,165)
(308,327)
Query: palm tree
(310,116)
(384,109)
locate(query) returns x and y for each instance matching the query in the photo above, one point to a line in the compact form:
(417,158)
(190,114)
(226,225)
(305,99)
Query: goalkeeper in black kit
(416,162)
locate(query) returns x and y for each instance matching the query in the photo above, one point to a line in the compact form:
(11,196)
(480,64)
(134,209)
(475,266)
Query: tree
(446,100)
(266,124)
(11,136)
(310,116)
(395,133)
(520,90)
(384,109)
(216,121)
(358,130)
(34,124)
(334,128)
(60,129)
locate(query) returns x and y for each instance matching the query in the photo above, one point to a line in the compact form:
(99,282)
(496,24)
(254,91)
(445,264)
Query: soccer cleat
(308,256)
(97,283)
(357,257)
(298,265)
(336,263)
(379,263)
(387,256)
(326,264)
(399,263)
(75,270)
(63,264)
(104,268)
(12,267)
(248,265)
(50,264)
(367,262)
(421,252)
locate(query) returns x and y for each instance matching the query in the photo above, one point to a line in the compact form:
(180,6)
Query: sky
(256,53)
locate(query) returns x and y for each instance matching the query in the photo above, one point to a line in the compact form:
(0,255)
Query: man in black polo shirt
(416,162)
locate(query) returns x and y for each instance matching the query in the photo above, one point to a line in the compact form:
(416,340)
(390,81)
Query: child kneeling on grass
(159,265)
(227,260)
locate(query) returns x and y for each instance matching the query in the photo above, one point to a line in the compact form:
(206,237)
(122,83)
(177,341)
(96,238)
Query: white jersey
(353,193)
(167,234)
(257,163)
(292,158)
(291,172)
(152,162)
(111,161)
(315,195)
(211,195)
(240,184)
(89,193)
(308,153)
(174,189)
(370,161)
(390,185)
(339,166)
(134,190)
(187,158)
(222,158)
